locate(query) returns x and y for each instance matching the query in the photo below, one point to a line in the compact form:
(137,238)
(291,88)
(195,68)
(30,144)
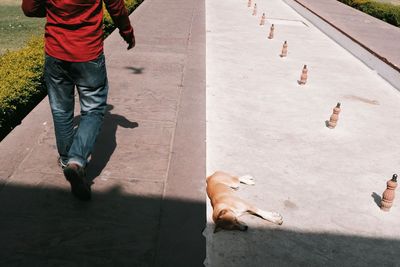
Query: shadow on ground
(106,141)
(42,226)
(276,247)
(135,70)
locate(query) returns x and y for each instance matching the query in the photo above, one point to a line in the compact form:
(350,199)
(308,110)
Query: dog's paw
(277,218)
(247,179)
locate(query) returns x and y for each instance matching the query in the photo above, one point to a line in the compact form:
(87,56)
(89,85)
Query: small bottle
(304,75)
(262,21)
(284,49)
(255,10)
(388,194)
(334,117)
(271,32)
(249,3)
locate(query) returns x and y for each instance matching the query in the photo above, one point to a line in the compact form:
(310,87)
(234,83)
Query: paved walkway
(148,206)
(148,168)
(326,183)
(367,38)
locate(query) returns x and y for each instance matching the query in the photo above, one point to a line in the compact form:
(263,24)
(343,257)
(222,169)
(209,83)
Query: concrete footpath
(371,33)
(326,183)
(369,39)
(148,168)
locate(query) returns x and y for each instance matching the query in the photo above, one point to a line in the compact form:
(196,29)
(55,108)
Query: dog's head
(227,220)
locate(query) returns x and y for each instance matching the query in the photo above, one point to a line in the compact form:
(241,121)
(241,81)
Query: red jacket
(74,30)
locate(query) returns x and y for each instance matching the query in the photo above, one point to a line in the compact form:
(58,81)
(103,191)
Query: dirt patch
(290,205)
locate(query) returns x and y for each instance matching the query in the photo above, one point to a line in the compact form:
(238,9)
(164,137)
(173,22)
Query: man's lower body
(74,145)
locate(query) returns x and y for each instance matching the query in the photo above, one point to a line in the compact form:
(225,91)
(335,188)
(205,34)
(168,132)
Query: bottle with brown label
(304,75)
(262,21)
(334,117)
(388,194)
(271,32)
(284,49)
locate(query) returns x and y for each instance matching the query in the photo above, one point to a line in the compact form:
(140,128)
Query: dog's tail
(247,179)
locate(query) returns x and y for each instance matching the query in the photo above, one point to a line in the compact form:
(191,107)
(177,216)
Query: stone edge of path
(350,39)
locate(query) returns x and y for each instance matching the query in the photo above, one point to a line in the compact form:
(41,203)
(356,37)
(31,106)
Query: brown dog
(228,207)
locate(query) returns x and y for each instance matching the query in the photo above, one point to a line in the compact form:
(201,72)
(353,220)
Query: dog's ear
(222,213)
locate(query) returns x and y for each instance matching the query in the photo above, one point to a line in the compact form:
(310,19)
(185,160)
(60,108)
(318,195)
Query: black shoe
(76,175)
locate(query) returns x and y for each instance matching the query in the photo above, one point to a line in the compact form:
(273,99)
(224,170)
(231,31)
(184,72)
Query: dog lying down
(228,207)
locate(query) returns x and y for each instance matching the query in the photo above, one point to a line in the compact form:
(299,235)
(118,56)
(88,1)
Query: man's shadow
(106,142)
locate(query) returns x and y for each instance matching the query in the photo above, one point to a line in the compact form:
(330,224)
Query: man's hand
(129,37)
(131,42)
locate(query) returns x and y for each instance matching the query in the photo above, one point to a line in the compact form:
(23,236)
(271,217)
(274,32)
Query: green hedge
(21,77)
(383,11)
(21,86)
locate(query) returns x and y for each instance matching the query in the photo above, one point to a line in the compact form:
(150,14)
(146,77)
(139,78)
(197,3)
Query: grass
(15,27)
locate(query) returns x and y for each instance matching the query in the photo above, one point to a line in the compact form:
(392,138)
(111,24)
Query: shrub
(383,11)
(21,76)
(21,87)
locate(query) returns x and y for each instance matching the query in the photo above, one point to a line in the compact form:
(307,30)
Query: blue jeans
(90,79)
